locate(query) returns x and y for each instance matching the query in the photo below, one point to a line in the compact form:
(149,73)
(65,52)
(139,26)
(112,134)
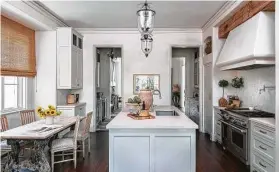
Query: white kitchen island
(163,144)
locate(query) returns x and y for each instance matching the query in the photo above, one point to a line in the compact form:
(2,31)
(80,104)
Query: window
(14,93)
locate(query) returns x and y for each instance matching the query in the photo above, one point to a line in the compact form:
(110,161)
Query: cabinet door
(80,69)
(63,67)
(67,111)
(74,71)
(130,154)
(172,153)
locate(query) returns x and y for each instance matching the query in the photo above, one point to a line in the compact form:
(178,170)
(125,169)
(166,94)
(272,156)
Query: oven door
(235,140)
(238,142)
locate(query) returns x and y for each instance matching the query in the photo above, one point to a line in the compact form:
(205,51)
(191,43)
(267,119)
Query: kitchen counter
(146,145)
(176,122)
(266,121)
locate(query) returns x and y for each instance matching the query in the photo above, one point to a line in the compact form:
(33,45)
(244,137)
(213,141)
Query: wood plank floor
(210,157)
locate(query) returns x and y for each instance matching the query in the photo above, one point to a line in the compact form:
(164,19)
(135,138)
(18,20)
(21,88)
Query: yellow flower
(51,107)
(47,112)
(39,109)
(53,112)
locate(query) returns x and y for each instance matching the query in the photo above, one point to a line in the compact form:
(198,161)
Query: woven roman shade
(17,49)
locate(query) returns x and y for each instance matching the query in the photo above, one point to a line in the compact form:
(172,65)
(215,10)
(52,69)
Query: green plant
(237,82)
(223,83)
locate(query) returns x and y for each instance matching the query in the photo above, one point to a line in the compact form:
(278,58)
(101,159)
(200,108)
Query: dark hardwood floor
(210,157)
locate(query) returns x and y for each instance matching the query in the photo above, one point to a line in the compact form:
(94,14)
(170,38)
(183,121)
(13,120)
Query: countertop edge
(71,105)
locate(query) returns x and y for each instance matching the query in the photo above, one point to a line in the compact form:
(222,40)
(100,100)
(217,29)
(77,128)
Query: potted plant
(237,82)
(48,113)
(222,101)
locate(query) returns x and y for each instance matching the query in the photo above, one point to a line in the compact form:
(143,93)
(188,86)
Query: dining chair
(64,147)
(4,123)
(5,148)
(83,135)
(27,116)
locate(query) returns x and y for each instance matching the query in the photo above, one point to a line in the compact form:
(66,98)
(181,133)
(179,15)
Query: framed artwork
(146,81)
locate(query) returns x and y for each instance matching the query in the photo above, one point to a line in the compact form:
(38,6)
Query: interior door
(208,98)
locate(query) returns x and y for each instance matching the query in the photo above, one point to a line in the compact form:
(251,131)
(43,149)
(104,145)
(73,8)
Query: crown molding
(39,7)
(222,13)
(135,30)
(32,13)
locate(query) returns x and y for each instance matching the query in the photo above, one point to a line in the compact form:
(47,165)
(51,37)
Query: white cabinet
(174,148)
(73,110)
(131,154)
(69,59)
(217,125)
(262,147)
(152,150)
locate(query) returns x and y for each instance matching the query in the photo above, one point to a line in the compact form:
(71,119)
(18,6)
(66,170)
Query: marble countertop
(265,121)
(160,122)
(71,105)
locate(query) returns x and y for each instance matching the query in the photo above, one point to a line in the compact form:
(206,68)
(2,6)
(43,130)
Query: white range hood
(250,45)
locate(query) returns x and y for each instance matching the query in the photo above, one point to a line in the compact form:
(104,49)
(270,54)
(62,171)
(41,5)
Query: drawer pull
(262,165)
(262,131)
(262,148)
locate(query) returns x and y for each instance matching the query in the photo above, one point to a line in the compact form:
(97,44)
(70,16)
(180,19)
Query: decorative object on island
(222,101)
(134,105)
(176,95)
(146,81)
(146,26)
(208,45)
(146,96)
(48,113)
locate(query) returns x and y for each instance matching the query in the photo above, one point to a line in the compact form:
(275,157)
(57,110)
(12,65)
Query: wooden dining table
(39,136)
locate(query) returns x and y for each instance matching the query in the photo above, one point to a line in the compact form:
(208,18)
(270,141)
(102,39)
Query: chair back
(88,122)
(4,123)
(76,132)
(27,116)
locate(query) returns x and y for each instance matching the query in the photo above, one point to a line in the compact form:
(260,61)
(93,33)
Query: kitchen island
(163,144)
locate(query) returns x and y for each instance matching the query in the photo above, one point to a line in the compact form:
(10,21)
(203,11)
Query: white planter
(49,120)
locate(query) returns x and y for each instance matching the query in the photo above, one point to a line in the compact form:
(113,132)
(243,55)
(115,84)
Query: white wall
(45,81)
(134,61)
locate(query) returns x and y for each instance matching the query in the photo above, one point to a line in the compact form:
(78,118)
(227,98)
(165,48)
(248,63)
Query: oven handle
(242,131)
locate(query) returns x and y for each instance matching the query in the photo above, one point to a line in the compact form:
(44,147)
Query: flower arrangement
(50,111)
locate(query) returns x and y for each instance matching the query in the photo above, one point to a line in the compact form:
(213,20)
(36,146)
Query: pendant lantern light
(146,19)
(146,26)
(146,44)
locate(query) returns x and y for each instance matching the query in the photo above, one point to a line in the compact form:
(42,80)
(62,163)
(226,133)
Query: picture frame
(145,81)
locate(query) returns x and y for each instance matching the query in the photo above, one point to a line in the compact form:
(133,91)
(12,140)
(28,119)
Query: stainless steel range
(235,130)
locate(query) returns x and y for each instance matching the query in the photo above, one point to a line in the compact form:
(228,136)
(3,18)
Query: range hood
(250,45)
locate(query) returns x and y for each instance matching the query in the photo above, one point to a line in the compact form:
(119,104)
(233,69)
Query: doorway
(108,85)
(185,81)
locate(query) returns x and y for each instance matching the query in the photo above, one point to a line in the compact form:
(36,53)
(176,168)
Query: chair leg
(75,158)
(89,143)
(83,148)
(52,161)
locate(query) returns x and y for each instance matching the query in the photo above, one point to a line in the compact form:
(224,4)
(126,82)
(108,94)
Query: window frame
(21,95)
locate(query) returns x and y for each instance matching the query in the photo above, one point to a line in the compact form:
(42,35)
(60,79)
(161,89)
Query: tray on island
(137,117)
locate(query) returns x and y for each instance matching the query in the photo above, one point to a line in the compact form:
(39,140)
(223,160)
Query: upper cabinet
(69,59)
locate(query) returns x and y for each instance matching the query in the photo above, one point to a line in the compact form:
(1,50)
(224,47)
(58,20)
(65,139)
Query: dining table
(39,136)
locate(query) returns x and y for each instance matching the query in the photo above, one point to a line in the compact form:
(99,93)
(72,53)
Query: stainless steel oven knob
(243,124)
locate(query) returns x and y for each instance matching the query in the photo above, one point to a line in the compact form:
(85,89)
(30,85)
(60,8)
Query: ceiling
(122,14)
